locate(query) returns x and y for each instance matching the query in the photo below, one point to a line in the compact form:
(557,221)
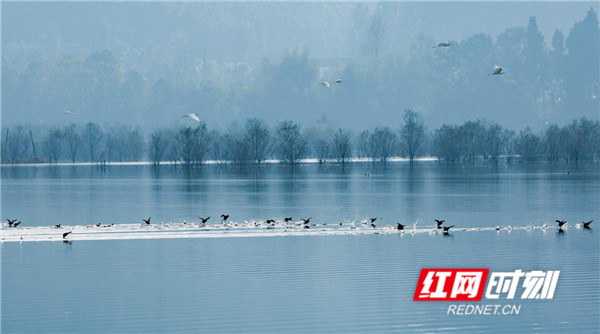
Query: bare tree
(192,144)
(342,147)
(496,142)
(53,144)
(365,145)
(259,139)
(581,139)
(528,146)
(384,143)
(93,136)
(446,143)
(412,134)
(133,149)
(17,144)
(553,143)
(218,147)
(292,145)
(73,140)
(157,147)
(321,149)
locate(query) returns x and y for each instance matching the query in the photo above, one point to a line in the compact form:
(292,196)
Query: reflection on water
(361,284)
(504,195)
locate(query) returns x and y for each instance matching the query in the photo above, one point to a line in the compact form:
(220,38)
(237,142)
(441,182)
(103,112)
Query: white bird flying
(192,116)
(338,81)
(71,112)
(443,45)
(324,84)
(497,70)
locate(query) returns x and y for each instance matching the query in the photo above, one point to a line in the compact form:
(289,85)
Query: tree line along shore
(254,141)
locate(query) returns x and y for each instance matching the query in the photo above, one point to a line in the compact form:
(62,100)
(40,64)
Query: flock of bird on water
(305,224)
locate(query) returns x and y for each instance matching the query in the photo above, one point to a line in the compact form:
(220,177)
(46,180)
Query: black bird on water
(373,220)
(306,221)
(439,223)
(17,224)
(57,226)
(11,222)
(560,223)
(66,233)
(373,225)
(447,229)
(147,221)
(288,219)
(225,217)
(98,225)
(400,226)
(587,224)
(270,221)
(204,220)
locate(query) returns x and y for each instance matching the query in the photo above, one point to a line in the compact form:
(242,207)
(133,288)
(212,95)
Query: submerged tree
(412,135)
(342,146)
(17,143)
(93,135)
(384,143)
(157,147)
(259,139)
(365,145)
(528,146)
(192,144)
(292,145)
(581,138)
(446,143)
(53,144)
(73,140)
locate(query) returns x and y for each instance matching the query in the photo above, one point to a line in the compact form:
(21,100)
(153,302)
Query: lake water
(362,283)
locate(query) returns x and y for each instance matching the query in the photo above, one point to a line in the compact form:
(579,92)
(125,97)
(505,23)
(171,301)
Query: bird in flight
(66,233)
(74,113)
(561,223)
(442,45)
(192,116)
(147,221)
(325,84)
(497,70)
(587,224)
(439,223)
(204,220)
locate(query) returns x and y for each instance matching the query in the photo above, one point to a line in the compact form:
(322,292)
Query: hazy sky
(200,44)
(260,29)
